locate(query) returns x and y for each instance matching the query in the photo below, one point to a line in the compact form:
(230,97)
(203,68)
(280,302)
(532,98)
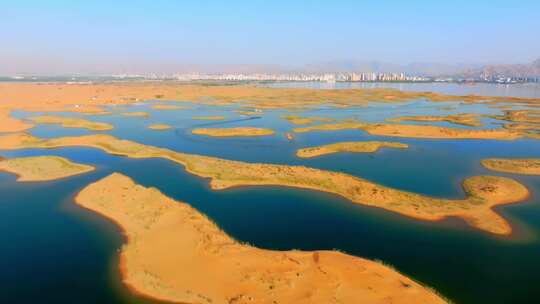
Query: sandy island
(298,120)
(460,119)
(159,126)
(482,192)
(230,132)
(175,253)
(72,122)
(416,131)
(208,117)
(135,114)
(351,146)
(526,166)
(42,168)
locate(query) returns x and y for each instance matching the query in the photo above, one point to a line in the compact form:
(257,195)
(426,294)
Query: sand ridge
(482,192)
(176,254)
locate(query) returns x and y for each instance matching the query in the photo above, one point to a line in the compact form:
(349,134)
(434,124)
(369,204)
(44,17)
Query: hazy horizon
(62,37)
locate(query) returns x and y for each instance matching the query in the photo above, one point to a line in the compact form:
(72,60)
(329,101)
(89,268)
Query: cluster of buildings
(318,77)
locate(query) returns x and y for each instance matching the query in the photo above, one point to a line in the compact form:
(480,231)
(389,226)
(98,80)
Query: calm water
(56,252)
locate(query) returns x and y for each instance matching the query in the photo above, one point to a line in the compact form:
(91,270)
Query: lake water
(56,252)
(529,90)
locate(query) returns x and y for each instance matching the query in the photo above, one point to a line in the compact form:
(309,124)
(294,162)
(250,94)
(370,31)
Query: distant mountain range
(506,70)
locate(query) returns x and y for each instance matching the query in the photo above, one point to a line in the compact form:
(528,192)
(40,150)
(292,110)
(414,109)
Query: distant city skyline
(99,37)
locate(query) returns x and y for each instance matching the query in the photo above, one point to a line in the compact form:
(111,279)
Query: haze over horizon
(58,37)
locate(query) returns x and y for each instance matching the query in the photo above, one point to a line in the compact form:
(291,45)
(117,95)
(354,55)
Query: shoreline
(84,200)
(481,192)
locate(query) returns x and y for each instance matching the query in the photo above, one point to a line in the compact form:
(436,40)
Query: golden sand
(72,122)
(417,131)
(249,113)
(298,120)
(520,116)
(483,192)
(352,146)
(90,98)
(460,119)
(135,114)
(527,166)
(169,107)
(159,126)
(10,124)
(229,132)
(42,168)
(174,253)
(208,117)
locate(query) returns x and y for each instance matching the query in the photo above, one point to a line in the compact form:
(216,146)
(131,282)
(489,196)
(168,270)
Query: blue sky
(82,36)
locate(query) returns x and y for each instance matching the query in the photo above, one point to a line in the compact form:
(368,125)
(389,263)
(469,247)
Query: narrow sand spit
(135,114)
(159,127)
(175,253)
(42,168)
(416,131)
(169,107)
(299,120)
(230,132)
(482,192)
(526,166)
(208,117)
(465,119)
(72,122)
(350,146)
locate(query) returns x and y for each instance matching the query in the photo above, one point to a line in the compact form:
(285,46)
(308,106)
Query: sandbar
(169,107)
(460,119)
(159,126)
(42,168)
(135,114)
(299,120)
(72,122)
(416,131)
(520,116)
(482,192)
(351,146)
(230,132)
(249,113)
(175,253)
(526,166)
(208,118)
